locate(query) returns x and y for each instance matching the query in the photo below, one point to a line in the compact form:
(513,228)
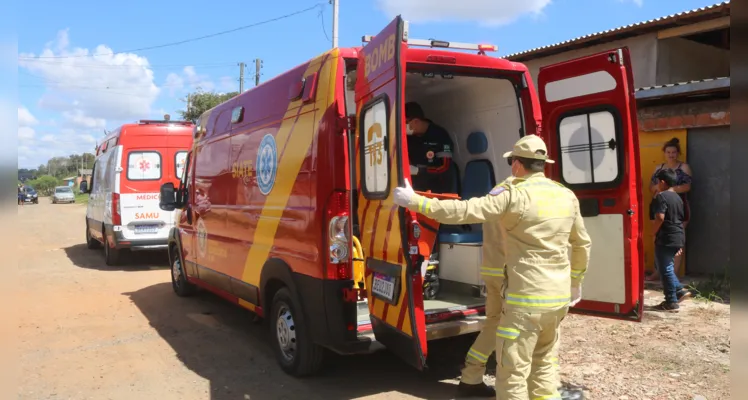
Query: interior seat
(478,180)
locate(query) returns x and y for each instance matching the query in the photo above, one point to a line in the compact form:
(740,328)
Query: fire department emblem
(202,238)
(430,155)
(267,164)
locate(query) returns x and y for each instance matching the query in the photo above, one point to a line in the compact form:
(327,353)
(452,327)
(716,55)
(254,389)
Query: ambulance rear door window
(144,166)
(590,152)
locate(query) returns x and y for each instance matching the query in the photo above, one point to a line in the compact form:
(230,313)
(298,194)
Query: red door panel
(590,125)
(394,291)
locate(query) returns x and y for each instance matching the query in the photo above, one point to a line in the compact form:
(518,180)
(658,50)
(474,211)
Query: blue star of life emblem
(267,164)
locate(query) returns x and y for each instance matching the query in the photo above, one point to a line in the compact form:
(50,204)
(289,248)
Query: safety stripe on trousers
(555,396)
(507,333)
(537,301)
(491,271)
(478,355)
(576,273)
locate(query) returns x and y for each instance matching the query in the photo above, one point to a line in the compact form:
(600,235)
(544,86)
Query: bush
(44,185)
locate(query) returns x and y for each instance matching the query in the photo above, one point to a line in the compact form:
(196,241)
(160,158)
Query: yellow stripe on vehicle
(289,165)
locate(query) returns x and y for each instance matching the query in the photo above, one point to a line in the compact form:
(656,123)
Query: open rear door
(393,279)
(590,125)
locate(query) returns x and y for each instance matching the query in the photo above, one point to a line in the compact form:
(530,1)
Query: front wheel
(179,283)
(295,350)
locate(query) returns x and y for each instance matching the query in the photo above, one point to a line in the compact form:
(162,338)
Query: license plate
(146,228)
(383,286)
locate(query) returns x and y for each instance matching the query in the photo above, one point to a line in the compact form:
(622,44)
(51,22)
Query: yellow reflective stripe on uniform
(555,396)
(554,361)
(424,205)
(478,355)
(507,333)
(491,271)
(537,301)
(576,273)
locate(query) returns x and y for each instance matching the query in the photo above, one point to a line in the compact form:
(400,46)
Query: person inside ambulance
(540,218)
(429,151)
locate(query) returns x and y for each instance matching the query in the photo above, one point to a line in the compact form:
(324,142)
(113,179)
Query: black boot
(478,390)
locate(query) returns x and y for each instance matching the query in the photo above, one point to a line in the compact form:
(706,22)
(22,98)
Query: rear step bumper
(438,330)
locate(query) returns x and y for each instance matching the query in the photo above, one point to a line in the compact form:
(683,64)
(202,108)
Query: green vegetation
(716,288)
(44,184)
(200,101)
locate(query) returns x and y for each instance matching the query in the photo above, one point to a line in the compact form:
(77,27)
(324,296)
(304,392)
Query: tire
(292,342)
(91,243)
(179,283)
(111,255)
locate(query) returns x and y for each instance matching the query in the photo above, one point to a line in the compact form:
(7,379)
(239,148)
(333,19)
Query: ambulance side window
(590,152)
(375,159)
(180,161)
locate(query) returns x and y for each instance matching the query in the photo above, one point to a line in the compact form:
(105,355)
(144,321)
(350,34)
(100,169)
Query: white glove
(413,170)
(403,195)
(576,296)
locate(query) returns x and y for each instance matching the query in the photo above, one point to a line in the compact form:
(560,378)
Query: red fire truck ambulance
(286,208)
(132,163)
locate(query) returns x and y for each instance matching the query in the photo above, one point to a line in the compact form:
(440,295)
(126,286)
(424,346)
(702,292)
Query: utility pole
(334,23)
(258,67)
(241,77)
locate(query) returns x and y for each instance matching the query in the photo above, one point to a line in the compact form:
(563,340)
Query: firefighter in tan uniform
(492,273)
(540,218)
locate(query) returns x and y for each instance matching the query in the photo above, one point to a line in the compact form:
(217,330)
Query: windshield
(64,190)
(30,190)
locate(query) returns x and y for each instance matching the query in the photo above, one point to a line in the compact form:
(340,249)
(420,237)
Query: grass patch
(81,198)
(714,289)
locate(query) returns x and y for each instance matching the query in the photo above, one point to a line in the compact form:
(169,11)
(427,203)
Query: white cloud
(25,118)
(92,88)
(486,12)
(188,80)
(85,94)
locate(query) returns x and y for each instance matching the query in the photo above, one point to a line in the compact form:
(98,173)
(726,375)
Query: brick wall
(684,116)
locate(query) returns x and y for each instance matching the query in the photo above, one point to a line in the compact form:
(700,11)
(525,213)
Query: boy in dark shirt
(670,238)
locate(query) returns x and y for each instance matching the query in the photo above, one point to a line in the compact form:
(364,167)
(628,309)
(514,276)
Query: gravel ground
(87,331)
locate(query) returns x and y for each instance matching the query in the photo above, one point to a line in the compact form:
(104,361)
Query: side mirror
(168,200)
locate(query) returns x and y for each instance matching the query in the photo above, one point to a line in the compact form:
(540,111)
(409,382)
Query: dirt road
(88,331)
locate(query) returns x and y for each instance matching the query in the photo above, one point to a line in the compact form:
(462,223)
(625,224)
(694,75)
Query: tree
(201,101)
(44,185)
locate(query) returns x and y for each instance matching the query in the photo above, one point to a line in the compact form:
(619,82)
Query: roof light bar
(443,44)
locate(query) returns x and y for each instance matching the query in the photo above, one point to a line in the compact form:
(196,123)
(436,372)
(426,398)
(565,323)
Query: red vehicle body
(287,210)
(132,163)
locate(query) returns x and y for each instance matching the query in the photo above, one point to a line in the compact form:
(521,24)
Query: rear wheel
(179,283)
(111,255)
(297,354)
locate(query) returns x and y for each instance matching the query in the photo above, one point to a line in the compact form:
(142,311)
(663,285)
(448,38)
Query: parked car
(29,195)
(63,194)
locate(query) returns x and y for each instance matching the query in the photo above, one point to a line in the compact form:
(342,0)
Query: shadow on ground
(83,257)
(218,341)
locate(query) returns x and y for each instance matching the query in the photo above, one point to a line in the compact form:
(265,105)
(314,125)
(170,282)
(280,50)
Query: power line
(130,66)
(183,41)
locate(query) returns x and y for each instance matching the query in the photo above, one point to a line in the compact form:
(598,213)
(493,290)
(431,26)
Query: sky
(88,66)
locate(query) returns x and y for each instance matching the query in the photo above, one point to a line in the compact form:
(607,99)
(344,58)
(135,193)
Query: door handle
(630,212)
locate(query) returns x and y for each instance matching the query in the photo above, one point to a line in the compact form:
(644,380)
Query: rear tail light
(339,236)
(116,210)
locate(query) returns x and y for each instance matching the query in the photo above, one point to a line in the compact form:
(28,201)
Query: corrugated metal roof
(710,85)
(614,33)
